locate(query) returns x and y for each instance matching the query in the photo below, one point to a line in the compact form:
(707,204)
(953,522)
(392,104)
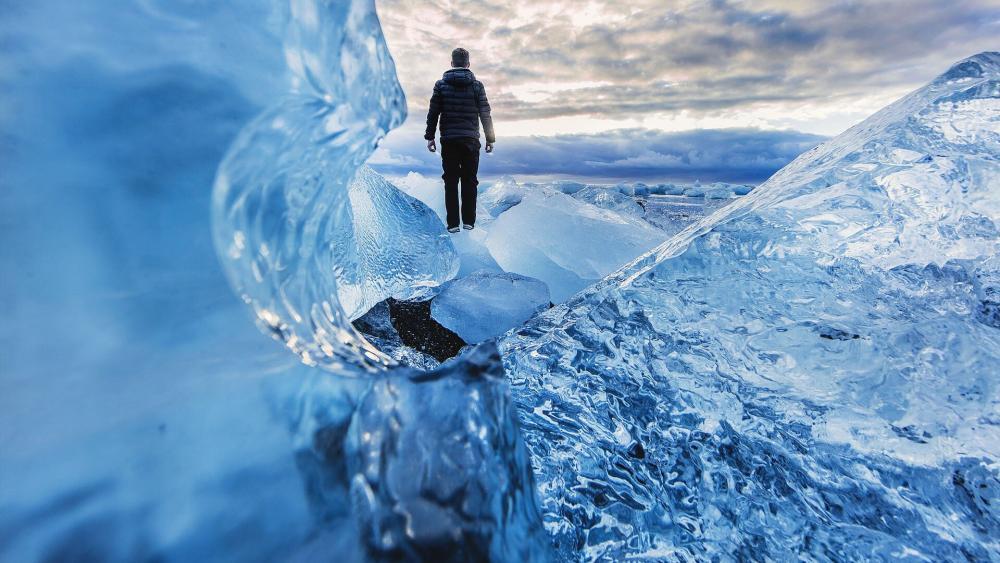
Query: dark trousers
(460,160)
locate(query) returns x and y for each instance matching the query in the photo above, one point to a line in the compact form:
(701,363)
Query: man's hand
(489,147)
(431,146)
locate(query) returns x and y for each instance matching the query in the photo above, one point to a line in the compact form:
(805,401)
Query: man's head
(460,58)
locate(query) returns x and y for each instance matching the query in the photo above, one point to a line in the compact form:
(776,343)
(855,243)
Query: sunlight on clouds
(540,91)
(568,67)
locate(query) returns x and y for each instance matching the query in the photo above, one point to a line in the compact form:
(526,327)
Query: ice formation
(399,247)
(487,304)
(502,195)
(612,199)
(566,243)
(144,417)
(307,250)
(437,467)
(810,372)
(470,245)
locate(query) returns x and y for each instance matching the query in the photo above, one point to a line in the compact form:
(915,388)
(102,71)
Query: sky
(660,90)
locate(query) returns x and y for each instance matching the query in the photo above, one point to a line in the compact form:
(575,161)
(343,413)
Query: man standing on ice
(460,101)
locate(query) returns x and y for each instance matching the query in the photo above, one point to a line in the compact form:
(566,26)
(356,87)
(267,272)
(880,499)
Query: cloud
(732,155)
(622,60)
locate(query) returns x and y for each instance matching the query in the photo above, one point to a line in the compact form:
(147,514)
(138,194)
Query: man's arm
(433,113)
(485,117)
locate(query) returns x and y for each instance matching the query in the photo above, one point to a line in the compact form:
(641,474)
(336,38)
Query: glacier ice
(501,195)
(305,248)
(808,373)
(437,468)
(566,243)
(398,248)
(143,416)
(672,213)
(487,304)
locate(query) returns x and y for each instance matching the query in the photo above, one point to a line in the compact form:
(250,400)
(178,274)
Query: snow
(487,304)
(830,337)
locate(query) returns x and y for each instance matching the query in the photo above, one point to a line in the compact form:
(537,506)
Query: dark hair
(459,57)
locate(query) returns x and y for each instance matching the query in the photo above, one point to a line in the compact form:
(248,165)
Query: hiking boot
(468,227)
(452,230)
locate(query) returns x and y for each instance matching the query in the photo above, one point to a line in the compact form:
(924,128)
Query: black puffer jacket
(460,101)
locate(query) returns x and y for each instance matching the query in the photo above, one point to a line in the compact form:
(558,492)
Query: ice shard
(810,372)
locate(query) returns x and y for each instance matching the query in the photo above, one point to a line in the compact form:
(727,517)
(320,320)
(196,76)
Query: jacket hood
(459,77)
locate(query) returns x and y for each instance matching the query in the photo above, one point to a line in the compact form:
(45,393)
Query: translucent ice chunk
(397,249)
(437,470)
(487,304)
(565,242)
(472,252)
(811,370)
(307,250)
(502,195)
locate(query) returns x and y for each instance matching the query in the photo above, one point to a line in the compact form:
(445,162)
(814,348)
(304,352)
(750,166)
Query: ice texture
(808,373)
(305,248)
(610,198)
(566,243)
(502,195)
(144,417)
(437,468)
(487,304)
(398,248)
(672,213)
(470,245)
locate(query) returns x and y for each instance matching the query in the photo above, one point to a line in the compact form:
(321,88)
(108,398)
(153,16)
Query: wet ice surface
(810,372)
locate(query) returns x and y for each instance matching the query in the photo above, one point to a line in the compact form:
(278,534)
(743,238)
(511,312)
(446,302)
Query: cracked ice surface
(810,372)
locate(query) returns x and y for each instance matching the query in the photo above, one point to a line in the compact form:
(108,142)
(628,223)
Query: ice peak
(976,66)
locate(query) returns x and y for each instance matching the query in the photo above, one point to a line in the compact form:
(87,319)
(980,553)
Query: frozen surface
(135,407)
(808,373)
(487,304)
(566,243)
(398,248)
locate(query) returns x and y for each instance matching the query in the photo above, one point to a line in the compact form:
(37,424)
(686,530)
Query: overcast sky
(644,87)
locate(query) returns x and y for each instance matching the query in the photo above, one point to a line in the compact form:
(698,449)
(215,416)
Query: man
(460,101)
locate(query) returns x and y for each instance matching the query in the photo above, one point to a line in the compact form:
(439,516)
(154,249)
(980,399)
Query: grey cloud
(715,55)
(732,155)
